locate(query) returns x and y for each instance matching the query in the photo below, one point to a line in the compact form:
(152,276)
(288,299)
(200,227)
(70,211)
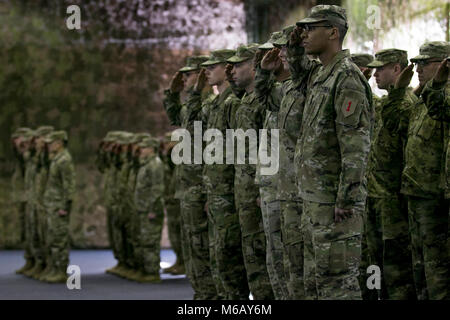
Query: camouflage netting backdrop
(110,75)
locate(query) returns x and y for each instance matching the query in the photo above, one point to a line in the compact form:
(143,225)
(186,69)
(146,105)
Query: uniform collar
(324,72)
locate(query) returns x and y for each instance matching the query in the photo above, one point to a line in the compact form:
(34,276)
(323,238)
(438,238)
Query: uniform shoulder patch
(350,103)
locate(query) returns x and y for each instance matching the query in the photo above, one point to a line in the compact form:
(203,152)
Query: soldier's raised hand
(405,77)
(342,214)
(441,74)
(201,81)
(258,57)
(271,60)
(177,83)
(228,70)
(295,38)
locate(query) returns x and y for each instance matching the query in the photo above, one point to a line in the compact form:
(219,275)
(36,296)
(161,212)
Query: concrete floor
(95,283)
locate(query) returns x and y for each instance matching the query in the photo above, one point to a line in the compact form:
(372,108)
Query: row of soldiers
(361,179)
(43,189)
(138,188)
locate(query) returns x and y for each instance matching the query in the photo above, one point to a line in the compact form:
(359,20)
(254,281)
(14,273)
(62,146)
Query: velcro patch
(349,106)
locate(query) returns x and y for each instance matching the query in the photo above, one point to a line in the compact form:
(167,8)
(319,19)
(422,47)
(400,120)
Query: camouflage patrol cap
(20,132)
(28,135)
(433,49)
(150,142)
(124,138)
(193,63)
(44,130)
(273,37)
(333,14)
(361,59)
(55,136)
(111,136)
(285,37)
(219,56)
(386,56)
(244,53)
(138,137)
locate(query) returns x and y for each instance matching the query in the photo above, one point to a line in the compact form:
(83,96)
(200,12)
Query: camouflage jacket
(18,181)
(169,178)
(40,180)
(438,103)
(149,191)
(387,157)
(218,178)
(30,175)
(424,153)
(248,116)
(269,94)
(334,143)
(121,194)
(131,185)
(189,176)
(60,188)
(110,184)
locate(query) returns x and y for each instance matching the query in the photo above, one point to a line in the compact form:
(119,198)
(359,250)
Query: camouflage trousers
(195,217)
(394,251)
(227,247)
(428,223)
(29,222)
(121,233)
(21,210)
(174,227)
(293,244)
(148,250)
(270,209)
(110,230)
(40,243)
(58,239)
(254,249)
(332,252)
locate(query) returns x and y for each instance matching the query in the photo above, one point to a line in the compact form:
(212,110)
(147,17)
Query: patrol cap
(219,56)
(244,53)
(386,56)
(138,137)
(111,136)
(44,130)
(273,37)
(124,138)
(56,135)
(20,132)
(29,135)
(361,59)
(149,142)
(433,50)
(283,40)
(193,63)
(332,13)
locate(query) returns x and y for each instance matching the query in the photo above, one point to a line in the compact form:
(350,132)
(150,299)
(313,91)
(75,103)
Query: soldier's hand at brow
(405,77)
(295,39)
(271,60)
(205,208)
(258,57)
(342,214)
(441,74)
(177,83)
(62,213)
(151,216)
(258,202)
(201,81)
(367,73)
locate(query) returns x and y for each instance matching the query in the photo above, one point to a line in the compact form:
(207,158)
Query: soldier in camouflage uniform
(332,156)
(271,80)
(149,204)
(172,206)
(19,192)
(31,161)
(40,242)
(386,207)
(249,115)
(190,182)
(122,215)
(436,96)
(111,168)
(58,198)
(227,264)
(427,207)
(132,227)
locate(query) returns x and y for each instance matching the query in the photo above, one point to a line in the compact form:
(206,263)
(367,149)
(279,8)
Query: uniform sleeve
(68,183)
(437,101)
(172,105)
(300,65)
(231,106)
(353,106)
(268,91)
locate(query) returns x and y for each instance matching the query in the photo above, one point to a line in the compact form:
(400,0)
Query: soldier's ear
(334,33)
